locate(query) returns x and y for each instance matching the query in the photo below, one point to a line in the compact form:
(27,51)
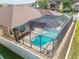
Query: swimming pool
(45,37)
(44,40)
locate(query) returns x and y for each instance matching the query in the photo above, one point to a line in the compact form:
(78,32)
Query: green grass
(8,54)
(75,44)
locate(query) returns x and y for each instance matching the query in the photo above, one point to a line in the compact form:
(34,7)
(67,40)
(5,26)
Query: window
(52,5)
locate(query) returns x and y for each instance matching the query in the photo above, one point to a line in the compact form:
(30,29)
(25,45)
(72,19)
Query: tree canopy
(1,5)
(67,3)
(42,4)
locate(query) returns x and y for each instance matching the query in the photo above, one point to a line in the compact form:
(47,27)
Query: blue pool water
(46,36)
(44,40)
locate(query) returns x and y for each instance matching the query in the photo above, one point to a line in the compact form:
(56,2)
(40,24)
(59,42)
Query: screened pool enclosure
(44,34)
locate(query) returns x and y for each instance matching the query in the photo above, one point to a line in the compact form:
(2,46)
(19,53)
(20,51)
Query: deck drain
(1,57)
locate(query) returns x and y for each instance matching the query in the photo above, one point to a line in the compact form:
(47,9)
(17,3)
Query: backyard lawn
(8,54)
(75,45)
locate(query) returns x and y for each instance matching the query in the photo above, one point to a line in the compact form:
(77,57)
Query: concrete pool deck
(25,51)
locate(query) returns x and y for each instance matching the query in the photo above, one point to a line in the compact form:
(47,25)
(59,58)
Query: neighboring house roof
(12,16)
(52,2)
(76,6)
(75,1)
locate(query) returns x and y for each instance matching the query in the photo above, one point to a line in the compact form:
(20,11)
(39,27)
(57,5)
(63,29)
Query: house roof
(15,15)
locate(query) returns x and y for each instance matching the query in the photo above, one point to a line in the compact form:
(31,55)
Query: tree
(67,4)
(42,4)
(1,5)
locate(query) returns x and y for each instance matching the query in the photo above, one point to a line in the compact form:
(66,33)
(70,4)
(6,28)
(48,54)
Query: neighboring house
(35,5)
(54,5)
(75,1)
(17,15)
(75,6)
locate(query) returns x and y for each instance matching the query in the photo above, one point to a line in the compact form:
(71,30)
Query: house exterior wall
(6,31)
